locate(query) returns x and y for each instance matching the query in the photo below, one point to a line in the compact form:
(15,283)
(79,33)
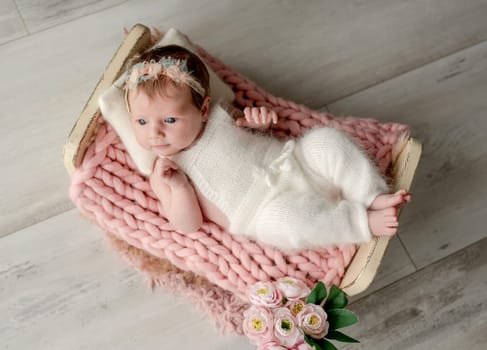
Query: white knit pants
(332,209)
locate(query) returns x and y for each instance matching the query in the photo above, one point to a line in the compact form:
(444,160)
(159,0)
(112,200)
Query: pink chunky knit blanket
(108,189)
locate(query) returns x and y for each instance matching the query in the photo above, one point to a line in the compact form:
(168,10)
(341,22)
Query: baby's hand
(257,118)
(168,173)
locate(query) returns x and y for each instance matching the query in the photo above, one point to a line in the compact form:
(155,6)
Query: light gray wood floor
(421,62)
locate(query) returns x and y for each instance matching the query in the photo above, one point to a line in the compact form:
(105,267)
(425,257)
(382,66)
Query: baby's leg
(332,155)
(295,220)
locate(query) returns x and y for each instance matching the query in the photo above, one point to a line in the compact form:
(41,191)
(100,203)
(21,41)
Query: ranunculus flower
(292,288)
(272,345)
(257,324)
(286,329)
(265,294)
(296,306)
(312,321)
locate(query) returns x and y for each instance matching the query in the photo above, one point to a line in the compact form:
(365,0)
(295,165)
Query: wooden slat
(61,288)
(316,52)
(50,77)
(445,104)
(39,15)
(11,25)
(443,306)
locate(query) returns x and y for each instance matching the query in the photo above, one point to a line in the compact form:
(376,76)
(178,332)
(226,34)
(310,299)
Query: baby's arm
(177,195)
(257,118)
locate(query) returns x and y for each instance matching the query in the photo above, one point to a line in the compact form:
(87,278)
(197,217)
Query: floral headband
(174,69)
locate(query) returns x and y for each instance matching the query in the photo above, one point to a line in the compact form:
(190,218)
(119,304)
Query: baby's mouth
(160,146)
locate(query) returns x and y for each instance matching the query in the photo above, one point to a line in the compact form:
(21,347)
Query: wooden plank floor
(423,63)
(443,306)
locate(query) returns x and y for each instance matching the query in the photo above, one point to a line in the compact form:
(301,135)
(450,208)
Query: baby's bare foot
(383,222)
(383,201)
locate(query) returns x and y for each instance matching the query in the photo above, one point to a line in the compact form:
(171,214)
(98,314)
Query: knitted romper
(303,193)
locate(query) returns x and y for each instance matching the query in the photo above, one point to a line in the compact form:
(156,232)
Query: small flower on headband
(174,69)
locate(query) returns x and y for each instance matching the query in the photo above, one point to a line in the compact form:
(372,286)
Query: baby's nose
(157,130)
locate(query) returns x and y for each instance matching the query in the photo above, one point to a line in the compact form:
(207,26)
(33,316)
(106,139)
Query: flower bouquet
(288,315)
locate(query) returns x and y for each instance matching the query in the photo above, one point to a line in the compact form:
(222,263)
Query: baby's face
(166,124)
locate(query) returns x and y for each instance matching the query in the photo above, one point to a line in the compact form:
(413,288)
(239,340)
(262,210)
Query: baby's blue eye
(141,121)
(170,120)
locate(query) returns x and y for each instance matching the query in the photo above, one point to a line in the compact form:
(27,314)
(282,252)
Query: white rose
(312,321)
(265,294)
(292,288)
(286,329)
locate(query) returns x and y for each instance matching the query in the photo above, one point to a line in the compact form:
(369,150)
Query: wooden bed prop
(362,269)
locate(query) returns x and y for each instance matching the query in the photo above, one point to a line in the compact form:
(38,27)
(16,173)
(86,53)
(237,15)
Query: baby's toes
(390,231)
(393,224)
(390,212)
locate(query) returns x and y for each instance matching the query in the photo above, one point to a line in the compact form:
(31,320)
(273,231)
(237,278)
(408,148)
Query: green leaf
(336,335)
(339,318)
(325,344)
(319,344)
(308,339)
(336,299)
(317,295)
(312,342)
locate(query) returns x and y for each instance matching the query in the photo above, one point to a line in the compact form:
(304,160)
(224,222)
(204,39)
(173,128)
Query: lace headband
(174,69)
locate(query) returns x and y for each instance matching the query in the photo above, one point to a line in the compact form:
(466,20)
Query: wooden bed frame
(366,261)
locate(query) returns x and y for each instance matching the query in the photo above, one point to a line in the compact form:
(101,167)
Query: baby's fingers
(164,164)
(252,116)
(158,166)
(169,166)
(244,121)
(263,116)
(247,119)
(273,115)
(255,116)
(240,121)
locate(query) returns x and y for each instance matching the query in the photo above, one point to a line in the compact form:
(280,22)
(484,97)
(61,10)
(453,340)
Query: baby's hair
(196,68)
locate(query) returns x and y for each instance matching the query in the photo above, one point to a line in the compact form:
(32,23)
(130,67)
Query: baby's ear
(205,108)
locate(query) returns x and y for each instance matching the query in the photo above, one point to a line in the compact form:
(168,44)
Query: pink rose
(296,306)
(272,345)
(257,324)
(265,294)
(312,321)
(286,329)
(292,288)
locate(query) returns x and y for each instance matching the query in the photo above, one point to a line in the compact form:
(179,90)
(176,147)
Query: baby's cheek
(142,138)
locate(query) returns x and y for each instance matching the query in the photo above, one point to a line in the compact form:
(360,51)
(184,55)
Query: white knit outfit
(304,193)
